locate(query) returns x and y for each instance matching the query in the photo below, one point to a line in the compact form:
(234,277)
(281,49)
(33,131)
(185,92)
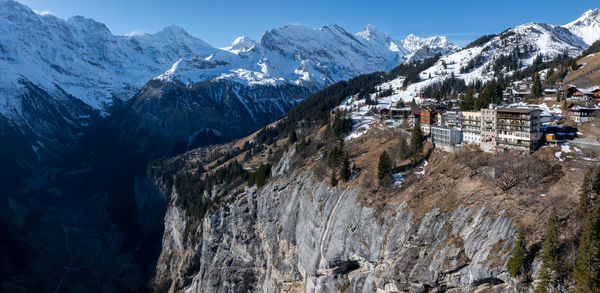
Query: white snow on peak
(422,48)
(414,43)
(587,27)
(81,57)
(241,44)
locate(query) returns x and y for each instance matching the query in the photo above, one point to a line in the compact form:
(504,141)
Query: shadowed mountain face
(85,197)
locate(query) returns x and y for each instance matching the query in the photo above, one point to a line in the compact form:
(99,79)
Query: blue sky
(219,22)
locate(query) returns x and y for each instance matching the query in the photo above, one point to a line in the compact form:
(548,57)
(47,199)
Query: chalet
(550,94)
(581,113)
(521,95)
(394,113)
(574,93)
(518,129)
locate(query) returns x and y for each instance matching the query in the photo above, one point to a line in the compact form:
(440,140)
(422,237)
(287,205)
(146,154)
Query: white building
(470,123)
(445,136)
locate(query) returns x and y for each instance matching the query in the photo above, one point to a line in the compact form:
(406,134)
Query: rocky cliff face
(298,233)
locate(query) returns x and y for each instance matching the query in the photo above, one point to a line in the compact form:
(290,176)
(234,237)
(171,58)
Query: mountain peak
(413,43)
(591,13)
(173,30)
(241,44)
(587,26)
(174,34)
(371,32)
(15,11)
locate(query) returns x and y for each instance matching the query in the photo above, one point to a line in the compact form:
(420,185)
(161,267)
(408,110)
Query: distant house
(581,113)
(415,116)
(574,93)
(394,113)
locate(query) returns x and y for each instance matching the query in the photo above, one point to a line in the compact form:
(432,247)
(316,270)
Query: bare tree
(473,159)
(506,171)
(535,172)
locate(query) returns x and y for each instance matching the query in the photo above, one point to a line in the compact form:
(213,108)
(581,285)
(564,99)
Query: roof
(517,110)
(582,108)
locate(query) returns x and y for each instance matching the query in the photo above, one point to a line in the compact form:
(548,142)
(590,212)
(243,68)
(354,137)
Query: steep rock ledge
(299,234)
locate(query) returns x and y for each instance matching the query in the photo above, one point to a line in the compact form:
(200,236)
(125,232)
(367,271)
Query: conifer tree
(585,193)
(516,261)
(549,254)
(416,141)
(293,137)
(469,103)
(334,180)
(384,167)
(345,171)
(587,262)
(587,267)
(536,89)
(543,284)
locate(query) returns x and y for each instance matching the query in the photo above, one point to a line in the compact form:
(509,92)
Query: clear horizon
(219,23)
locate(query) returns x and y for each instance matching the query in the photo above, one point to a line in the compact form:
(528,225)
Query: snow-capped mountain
(84,59)
(81,70)
(304,56)
(587,27)
(241,44)
(422,48)
(81,56)
(519,46)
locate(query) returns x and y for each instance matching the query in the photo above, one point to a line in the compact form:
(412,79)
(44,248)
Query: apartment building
(518,129)
(428,118)
(470,124)
(445,136)
(451,119)
(488,129)
(493,129)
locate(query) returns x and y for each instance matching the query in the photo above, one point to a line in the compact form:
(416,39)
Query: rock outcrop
(297,233)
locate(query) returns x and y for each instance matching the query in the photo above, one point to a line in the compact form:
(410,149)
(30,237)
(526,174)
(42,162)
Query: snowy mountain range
(82,58)
(57,77)
(478,62)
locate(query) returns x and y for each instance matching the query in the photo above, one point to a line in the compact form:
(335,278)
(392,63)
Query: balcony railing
(521,143)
